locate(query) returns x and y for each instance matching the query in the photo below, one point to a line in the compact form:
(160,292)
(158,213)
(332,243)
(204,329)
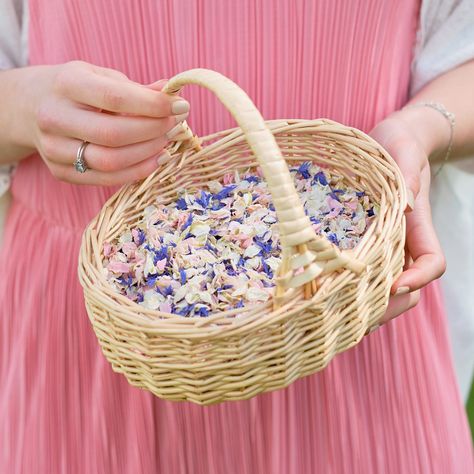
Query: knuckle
(76,64)
(107,162)
(109,136)
(65,76)
(441,265)
(48,146)
(46,118)
(112,100)
(61,81)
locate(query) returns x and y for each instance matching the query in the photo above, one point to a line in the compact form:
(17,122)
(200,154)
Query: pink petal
(352,204)
(335,204)
(333,213)
(182,219)
(108,248)
(244,244)
(161,264)
(118,267)
(128,248)
(228,178)
(165,307)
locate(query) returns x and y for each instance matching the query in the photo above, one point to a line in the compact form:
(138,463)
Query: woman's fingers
(126,124)
(81,83)
(426,268)
(63,150)
(421,241)
(100,178)
(425,261)
(60,118)
(398,304)
(422,244)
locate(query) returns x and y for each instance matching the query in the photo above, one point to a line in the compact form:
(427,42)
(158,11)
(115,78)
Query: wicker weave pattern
(315,314)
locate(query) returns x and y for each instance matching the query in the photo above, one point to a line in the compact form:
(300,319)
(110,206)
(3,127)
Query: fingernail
(410,200)
(174,131)
(403,290)
(163,157)
(181,117)
(179,106)
(372,329)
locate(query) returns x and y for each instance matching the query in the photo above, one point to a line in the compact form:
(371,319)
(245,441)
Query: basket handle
(305,254)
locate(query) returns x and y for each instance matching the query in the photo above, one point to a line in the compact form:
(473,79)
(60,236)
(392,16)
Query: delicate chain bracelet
(449,116)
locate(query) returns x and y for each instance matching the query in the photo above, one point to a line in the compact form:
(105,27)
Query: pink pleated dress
(390,405)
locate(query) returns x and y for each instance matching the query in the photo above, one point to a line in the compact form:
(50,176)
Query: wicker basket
(315,313)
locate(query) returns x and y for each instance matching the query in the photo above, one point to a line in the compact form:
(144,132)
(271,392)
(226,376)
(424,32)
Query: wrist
(21,90)
(430,127)
(25,95)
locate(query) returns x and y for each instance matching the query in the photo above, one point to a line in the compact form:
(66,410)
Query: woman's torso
(62,406)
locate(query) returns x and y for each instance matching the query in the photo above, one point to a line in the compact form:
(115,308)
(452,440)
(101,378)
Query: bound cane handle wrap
(305,254)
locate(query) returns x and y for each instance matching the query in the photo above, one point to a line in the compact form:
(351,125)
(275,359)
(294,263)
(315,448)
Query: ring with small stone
(80,164)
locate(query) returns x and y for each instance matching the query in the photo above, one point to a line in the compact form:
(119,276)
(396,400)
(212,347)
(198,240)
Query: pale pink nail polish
(181,117)
(410,200)
(174,131)
(403,290)
(180,107)
(163,157)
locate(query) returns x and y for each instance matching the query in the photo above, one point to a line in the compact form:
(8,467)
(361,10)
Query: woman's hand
(126,124)
(425,262)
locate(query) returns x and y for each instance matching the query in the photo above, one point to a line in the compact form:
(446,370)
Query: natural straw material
(325,299)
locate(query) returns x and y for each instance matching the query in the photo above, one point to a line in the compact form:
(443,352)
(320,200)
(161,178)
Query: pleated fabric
(389,405)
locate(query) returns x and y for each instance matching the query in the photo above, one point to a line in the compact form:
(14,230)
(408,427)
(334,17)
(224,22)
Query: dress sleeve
(445,39)
(11,25)
(13,53)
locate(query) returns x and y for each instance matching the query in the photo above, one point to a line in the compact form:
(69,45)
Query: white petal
(152,299)
(191,297)
(205,296)
(180,293)
(257,294)
(199,229)
(253,263)
(126,237)
(252,251)
(149,267)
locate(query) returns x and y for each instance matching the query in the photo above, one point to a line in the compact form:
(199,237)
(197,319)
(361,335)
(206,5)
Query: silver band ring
(80,164)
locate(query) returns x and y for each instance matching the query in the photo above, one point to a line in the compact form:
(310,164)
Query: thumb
(405,154)
(406,151)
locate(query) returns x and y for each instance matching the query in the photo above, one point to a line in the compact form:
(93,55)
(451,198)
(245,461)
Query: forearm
(455,90)
(17,99)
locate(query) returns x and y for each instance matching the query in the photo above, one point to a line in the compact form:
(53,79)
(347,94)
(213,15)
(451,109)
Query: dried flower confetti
(218,248)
